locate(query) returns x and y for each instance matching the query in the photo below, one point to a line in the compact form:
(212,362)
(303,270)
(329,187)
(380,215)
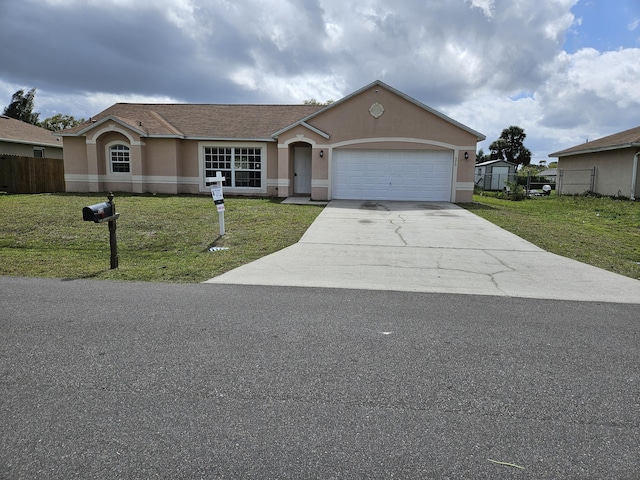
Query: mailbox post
(105,212)
(113,242)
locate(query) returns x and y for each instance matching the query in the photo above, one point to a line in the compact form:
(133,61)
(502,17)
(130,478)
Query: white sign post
(218,199)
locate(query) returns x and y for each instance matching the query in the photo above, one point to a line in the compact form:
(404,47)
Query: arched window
(119,159)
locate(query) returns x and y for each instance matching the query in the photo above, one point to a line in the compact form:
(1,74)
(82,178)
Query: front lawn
(160,238)
(604,232)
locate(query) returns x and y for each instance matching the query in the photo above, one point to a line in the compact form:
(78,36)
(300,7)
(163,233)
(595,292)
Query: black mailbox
(100,212)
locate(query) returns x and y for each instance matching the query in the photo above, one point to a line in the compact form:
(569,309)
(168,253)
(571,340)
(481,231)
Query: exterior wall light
(466,155)
(321,153)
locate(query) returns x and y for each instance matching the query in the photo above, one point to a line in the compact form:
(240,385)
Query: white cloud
(487,6)
(591,88)
(486,63)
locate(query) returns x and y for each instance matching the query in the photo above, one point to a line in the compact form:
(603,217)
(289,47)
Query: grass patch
(604,232)
(160,238)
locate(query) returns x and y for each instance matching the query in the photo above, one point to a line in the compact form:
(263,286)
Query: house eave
(229,139)
(323,134)
(102,121)
(35,144)
(609,148)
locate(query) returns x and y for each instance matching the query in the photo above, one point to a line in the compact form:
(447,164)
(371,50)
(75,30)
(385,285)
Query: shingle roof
(15,131)
(203,120)
(626,139)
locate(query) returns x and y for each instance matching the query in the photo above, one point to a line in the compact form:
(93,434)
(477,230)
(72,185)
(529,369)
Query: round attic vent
(376,110)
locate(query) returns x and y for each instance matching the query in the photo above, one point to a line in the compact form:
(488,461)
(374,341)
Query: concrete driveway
(427,247)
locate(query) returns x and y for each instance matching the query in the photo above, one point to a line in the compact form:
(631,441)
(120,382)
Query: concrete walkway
(427,247)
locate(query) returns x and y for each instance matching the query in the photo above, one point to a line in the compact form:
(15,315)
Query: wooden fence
(31,175)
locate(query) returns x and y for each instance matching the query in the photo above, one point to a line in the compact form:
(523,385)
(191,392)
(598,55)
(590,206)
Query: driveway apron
(427,247)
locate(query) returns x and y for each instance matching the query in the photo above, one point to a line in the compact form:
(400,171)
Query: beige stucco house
(375,144)
(607,166)
(26,140)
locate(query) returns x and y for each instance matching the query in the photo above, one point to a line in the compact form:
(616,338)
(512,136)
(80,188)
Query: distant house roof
(15,131)
(627,139)
(549,172)
(206,121)
(491,162)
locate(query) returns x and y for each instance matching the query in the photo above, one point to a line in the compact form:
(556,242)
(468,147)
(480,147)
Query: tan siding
(613,171)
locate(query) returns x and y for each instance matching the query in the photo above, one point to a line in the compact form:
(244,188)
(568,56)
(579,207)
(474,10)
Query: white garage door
(392,175)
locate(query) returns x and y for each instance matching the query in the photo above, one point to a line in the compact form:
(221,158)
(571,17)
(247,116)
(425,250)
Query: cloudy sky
(564,70)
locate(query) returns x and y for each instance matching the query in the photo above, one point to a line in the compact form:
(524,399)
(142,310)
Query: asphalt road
(120,380)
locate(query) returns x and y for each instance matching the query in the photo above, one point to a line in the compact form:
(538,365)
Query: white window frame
(261,146)
(110,162)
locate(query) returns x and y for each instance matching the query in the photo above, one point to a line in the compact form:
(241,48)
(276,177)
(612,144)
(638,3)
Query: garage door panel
(392,175)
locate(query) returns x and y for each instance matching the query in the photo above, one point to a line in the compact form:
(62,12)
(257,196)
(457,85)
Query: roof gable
(381,84)
(16,131)
(627,139)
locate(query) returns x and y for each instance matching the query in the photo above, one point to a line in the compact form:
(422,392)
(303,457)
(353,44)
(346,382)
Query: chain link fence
(491,182)
(575,182)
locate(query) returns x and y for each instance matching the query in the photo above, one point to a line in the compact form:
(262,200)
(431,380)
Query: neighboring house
(549,174)
(494,174)
(375,144)
(607,166)
(26,140)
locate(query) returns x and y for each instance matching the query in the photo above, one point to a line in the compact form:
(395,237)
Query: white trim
(298,138)
(108,118)
(81,177)
(162,180)
(279,182)
(116,176)
(319,183)
(420,141)
(464,186)
(316,130)
(108,129)
(304,124)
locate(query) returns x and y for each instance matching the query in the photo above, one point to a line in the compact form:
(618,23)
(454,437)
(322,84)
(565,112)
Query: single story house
(27,140)
(494,174)
(549,174)
(607,166)
(375,144)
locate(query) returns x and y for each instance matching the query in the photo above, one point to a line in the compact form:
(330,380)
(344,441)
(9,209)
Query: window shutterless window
(119,159)
(241,166)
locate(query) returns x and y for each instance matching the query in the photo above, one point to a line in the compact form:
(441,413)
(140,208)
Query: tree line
(22,106)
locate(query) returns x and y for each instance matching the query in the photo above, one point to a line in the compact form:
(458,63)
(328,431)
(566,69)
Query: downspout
(634,174)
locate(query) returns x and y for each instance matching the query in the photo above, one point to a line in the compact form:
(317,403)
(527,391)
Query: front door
(302,171)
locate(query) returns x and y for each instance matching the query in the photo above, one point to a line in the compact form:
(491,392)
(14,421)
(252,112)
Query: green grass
(167,238)
(604,232)
(160,238)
